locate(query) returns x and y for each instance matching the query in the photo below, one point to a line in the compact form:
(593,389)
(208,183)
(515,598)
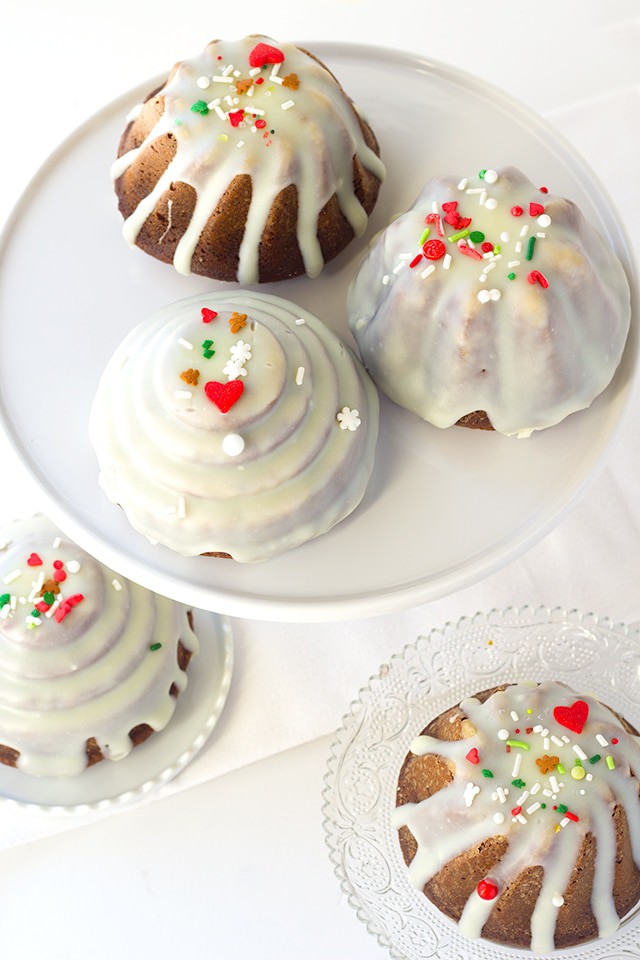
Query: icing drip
(527,324)
(551,836)
(104,667)
(278,135)
(303,446)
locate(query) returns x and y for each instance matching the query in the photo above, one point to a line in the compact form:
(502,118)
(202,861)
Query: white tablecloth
(228,859)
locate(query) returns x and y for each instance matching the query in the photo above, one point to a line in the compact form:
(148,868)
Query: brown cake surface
(250,163)
(514,805)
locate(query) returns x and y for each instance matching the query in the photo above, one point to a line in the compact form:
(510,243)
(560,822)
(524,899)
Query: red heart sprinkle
(453,218)
(224,395)
(236,117)
(34,560)
(463,222)
(208,315)
(487,889)
(264,53)
(573,717)
(517,211)
(535,209)
(450,205)
(472,756)
(434,249)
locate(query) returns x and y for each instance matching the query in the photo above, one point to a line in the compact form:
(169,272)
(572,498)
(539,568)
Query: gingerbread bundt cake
(519,816)
(234,424)
(491,303)
(90,663)
(250,163)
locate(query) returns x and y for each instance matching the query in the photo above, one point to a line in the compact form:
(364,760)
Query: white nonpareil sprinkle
(386,279)
(491,203)
(557,900)
(299,376)
(505,237)
(203,82)
(471,791)
(10,577)
(579,751)
(185,343)
(233,444)
(544,220)
(490,176)
(117,586)
(428,271)
(498,817)
(484,296)
(73,566)
(300,321)
(287,105)
(183,394)
(503,734)
(589,776)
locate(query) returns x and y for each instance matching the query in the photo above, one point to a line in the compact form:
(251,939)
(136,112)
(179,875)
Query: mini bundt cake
(519,816)
(250,163)
(90,663)
(491,303)
(234,424)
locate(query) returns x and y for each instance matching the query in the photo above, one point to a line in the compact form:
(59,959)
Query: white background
(230,860)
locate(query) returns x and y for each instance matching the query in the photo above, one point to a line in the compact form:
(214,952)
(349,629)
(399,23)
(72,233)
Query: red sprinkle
(517,211)
(535,275)
(487,889)
(437,219)
(468,251)
(434,249)
(34,560)
(224,395)
(260,123)
(450,206)
(544,189)
(472,756)
(488,248)
(535,209)
(571,816)
(42,606)
(575,716)
(517,730)
(516,811)
(58,564)
(260,80)
(208,315)
(236,117)
(614,740)
(416,260)
(264,53)
(59,576)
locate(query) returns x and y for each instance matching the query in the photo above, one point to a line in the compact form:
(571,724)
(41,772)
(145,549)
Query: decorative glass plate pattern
(589,653)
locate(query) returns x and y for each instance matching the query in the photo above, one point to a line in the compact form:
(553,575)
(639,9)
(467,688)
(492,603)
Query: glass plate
(587,652)
(396,550)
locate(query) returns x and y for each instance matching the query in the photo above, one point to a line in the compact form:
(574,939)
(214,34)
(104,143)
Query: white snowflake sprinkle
(240,351)
(349,419)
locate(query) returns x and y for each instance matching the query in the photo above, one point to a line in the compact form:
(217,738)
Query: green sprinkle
(5,598)
(155,646)
(200,106)
(178,123)
(497,248)
(511,276)
(578,763)
(562,808)
(595,758)
(477,236)
(48,597)
(487,773)
(543,806)
(481,174)
(207,352)
(560,768)
(424,236)
(530,245)
(35,613)
(610,763)
(518,743)
(458,236)
(518,783)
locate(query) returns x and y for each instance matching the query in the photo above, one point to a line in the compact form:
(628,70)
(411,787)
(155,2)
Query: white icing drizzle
(92,674)
(527,354)
(312,147)
(445,825)
(297,474)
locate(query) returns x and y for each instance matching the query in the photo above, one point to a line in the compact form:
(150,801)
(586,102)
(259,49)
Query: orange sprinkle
(547,763)
(190,376)
(291,80)
(237,321)
(243,85)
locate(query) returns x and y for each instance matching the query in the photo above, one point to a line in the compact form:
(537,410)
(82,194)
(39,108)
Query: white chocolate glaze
(481,331)
(445,825)
(172,459)
(93,672)
(310,139)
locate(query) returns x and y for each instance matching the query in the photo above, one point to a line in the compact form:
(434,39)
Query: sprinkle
(10,577)
(488,774)
(544,220)
(502,797)
(484,296)
(572,816)
(287,104)
(577,749)
(614,740)
(491,203)
(518,247)
(434,249)
(505,237)
(589,776)
(200,107)
(487,889)
(34,560)
(181,508)
(299,376)
(300,322)
(73,566)
(595,758)
(437,219)
(560,768)
(519,783)
(546,743)
(534,806)
(535,788)
(397,268)
(556,740)
(519,743)
(554,784)
(56,543)
(183,394)
(185,343)
(416,260)
(233,444)
(470,793)
(386,279)
(535,209)
(472,756)
(221,79)
(498,817)
(516,211)
(557,900)
(477,236)
(516,765)
(458,236)
(4,598)
(503,734)
(348,419)
(562,808)
(601,740)
(463,183)
(610,763)
(203,82)
(424,236)
(446,263)
(535,275)
(218,109)
(117,586)
(511,276)
(428,271)
(578,773)
(530,245)
(155,646)
(516,810)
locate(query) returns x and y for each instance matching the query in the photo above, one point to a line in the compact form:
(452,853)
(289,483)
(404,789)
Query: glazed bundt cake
(491,303)
(249,163)
(234,424)
(90,663)
(519,816)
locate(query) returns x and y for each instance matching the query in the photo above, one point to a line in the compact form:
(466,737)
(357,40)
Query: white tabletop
(229,859)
